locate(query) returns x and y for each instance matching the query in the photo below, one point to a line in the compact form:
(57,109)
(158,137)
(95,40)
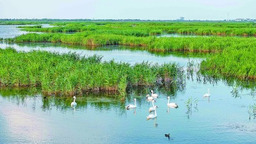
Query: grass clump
(70,74)
(232,62)
(144,29)
(188,44)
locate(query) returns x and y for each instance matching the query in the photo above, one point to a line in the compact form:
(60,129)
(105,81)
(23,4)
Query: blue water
(28,117)
(111,53)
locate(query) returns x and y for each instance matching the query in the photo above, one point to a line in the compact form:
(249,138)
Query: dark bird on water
(167,135)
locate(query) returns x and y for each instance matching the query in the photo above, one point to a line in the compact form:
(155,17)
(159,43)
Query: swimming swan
(153,95)
(171,105)
(131,106)
(73,104)
(152,116)
(149,98)
(207,94)
(153,108)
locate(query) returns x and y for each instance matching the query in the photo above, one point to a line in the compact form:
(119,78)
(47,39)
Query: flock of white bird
(152,110)
(152,98)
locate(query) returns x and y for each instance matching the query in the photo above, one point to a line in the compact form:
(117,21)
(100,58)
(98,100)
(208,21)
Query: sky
(129,9)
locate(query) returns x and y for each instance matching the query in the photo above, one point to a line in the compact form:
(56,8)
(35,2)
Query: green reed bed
(69,74)
(142,36)
(127,31)
(161,44)
(84,39)
(20,22)
(232,62)
(30,27)
(153,28)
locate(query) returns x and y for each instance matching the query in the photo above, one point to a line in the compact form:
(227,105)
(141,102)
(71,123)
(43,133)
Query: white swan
(153,95)
(131,106)
(171,105)
(73,104)
(152,116)
(207,94)
(149,98)
(153,108)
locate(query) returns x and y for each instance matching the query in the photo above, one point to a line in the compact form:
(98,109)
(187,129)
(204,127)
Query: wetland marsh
(222,63)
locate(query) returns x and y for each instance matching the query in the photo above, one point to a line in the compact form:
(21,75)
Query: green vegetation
(192,44)
(252,111)
(35,26)
(69,74)
(22,22)
(153,28)
(232,62)
(233,55)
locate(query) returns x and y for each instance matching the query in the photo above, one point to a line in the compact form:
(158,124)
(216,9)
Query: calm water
(177,35)
(109,53)
(28,117)
(11,31)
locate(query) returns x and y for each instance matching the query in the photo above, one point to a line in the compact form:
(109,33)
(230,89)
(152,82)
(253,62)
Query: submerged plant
(252,111)
(190,104)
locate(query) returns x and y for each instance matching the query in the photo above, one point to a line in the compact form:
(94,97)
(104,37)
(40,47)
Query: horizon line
(129,19)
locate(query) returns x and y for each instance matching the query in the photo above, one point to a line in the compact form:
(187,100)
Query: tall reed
(70,74)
